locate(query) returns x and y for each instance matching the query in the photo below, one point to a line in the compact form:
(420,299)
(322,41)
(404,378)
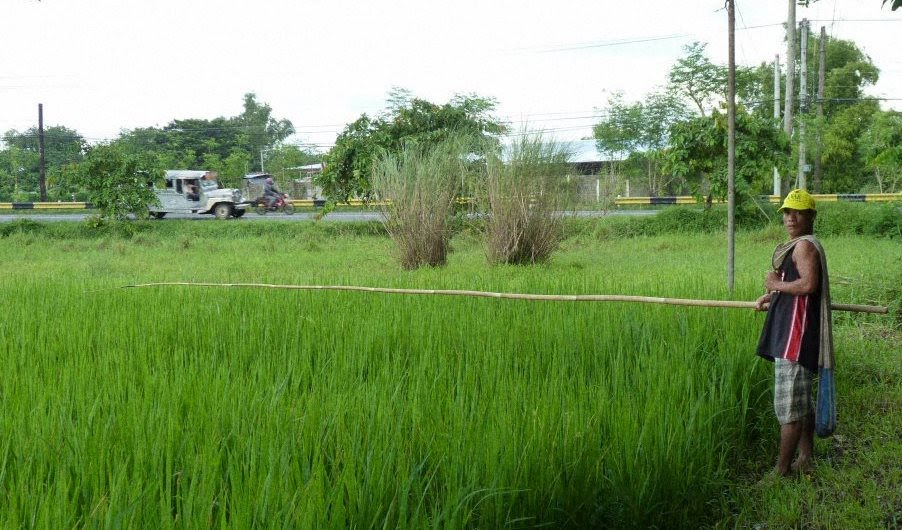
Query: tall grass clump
(527,195)
(418,187)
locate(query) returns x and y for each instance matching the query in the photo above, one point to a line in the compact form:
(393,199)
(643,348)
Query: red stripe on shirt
(796,329)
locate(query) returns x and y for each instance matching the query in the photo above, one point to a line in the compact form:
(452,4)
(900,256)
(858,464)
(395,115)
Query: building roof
(581,151)
(186,174)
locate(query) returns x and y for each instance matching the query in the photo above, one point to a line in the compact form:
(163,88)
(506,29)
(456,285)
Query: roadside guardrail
(620,201)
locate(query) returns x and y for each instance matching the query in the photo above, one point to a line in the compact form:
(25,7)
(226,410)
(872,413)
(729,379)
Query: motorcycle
(282,204)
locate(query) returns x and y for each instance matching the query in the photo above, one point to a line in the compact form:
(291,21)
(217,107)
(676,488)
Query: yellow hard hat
(798,199)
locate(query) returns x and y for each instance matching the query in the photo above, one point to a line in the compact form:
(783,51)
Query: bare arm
(808,263)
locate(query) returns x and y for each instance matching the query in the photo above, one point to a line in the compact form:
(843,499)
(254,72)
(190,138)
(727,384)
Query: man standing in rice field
(797,334)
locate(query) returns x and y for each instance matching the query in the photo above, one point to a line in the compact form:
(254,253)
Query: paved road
(300,216)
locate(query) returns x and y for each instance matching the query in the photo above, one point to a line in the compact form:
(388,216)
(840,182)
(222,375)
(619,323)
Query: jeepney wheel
(222,210)
(158,215)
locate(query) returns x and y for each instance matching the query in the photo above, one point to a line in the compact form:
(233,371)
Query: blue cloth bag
(825,415)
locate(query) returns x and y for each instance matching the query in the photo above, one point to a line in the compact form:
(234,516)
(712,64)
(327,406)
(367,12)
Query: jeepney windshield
(208,185)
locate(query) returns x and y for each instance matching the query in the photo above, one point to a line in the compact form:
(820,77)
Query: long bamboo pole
(515,296)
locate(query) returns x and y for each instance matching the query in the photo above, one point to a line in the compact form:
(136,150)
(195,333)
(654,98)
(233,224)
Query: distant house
(301,187)
(304,187)
(585,157)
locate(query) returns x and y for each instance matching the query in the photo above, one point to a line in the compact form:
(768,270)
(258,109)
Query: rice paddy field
(196,407)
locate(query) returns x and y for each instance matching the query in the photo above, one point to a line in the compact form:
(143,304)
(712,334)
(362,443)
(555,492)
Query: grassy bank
(193,407)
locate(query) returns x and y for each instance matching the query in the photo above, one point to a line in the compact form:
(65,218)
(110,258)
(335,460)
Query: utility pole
(731,142)
(776,115)
(42,181)
(790,66)
(821,73)
(803,102)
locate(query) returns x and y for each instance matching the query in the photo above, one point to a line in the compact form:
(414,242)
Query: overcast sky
(101,66)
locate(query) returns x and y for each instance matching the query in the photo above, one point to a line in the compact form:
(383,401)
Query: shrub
(21,226)
(850,218)
(527,196)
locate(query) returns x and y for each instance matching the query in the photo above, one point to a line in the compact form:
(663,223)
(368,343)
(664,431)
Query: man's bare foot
(802,466)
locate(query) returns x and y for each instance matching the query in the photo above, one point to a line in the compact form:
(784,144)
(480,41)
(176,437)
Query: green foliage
(845,168)
(118,183)
(230,146)
(620,131)
(21,226)
(881,147)
(258,130)
(19,162)
(697,78)
(348,165)
(633,136)
(847,218)
(698,153)
(848,71)
(407,121)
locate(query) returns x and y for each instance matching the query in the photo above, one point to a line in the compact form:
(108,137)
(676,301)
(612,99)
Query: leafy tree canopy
(19,162)
(845,167)
(698,153)
(406,121)
(882,148)
(118,183)
(201,143)
(696,78)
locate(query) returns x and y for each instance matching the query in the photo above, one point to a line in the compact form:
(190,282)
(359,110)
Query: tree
(848,72)
(118,184)
(200,143)
(660,111)
(638,132)
(63,146)
(259,130)
(697,78)
(698,153)
(406,121)
(845,168)
(882,149)
(619,132)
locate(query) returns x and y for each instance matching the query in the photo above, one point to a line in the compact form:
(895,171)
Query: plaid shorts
(792,391)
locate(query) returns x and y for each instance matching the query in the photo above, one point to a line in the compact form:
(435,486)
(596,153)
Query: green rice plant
(197,407)
(527,196)
(418,187)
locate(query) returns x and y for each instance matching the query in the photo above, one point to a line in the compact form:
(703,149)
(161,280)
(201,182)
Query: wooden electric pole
(731,141)
(42,180)
(821,73)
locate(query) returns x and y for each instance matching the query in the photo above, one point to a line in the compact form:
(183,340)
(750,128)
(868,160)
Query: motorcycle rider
(270,192)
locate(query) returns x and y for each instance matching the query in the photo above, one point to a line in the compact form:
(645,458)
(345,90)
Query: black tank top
(792,325)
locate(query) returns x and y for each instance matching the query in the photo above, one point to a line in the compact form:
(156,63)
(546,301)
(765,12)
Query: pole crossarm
(513,296)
